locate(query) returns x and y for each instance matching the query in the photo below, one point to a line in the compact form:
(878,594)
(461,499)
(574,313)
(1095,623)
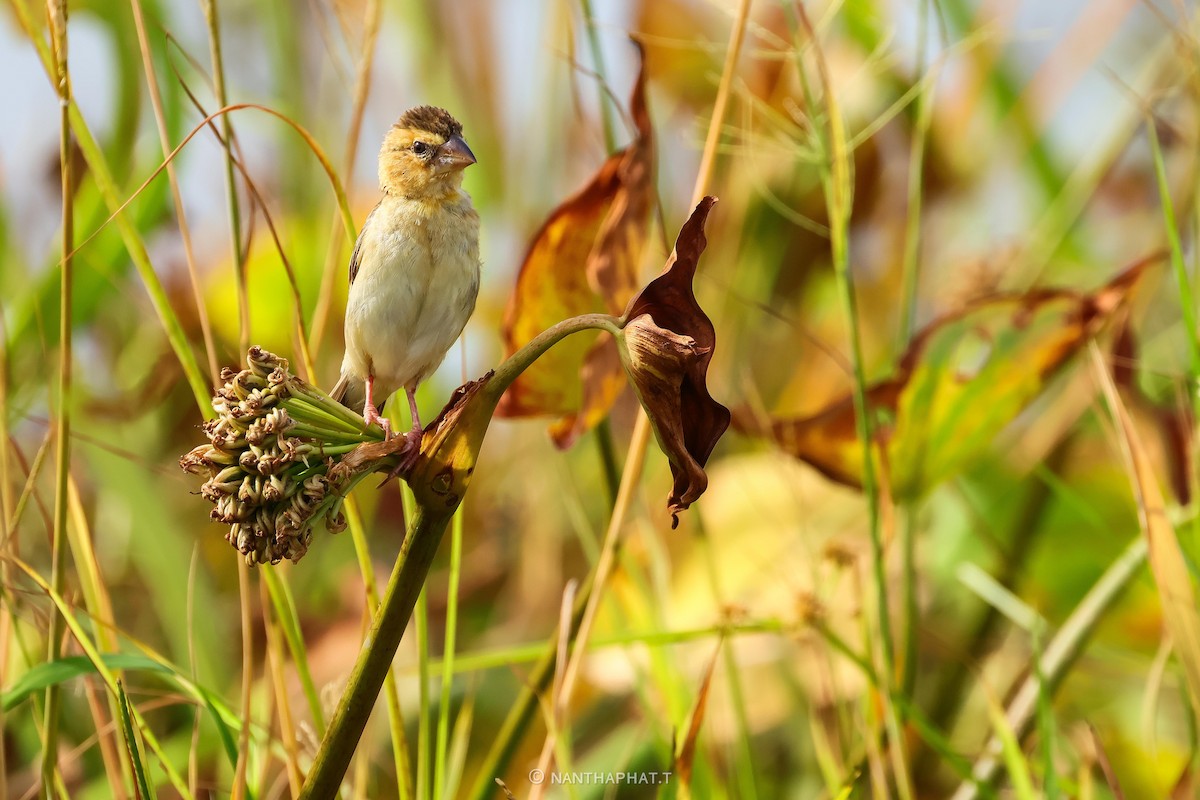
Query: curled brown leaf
(668,344)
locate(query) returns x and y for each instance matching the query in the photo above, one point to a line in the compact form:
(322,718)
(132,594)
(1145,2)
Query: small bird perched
(414,273)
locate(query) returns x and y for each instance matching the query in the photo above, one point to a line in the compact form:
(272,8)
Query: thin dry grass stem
(307,369)
(96,599)
(6,508)
(185,232)
(362,86)
(555,710)
(104,181)
(27,491)
(116,209)
(193,775)
(239,780)
(277,665)
(640,437)
(66,613)
(240,786)
(57,13)
(320,12)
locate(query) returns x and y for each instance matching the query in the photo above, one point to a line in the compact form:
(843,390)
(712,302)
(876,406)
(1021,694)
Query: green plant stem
(57,11)
(395,610)
(605,445)
(911,269)
(593,34)
(912,615)
(607,450)
(948,694)
(447,665)
(285,613)
(241,783)
(185,232)
(421,623)
(235,214)
(1059,657)
(522,711)
(838,182)
(1187,299)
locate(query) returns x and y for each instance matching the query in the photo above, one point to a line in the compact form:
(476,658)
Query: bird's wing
(354,257)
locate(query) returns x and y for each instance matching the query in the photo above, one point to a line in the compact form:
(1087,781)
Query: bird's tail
(350,392)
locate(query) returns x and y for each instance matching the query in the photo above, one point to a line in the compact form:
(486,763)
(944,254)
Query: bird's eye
(420,148)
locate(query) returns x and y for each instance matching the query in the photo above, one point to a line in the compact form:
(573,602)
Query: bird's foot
(409,453)
(371,416)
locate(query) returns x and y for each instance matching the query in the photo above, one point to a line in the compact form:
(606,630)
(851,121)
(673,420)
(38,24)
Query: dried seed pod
(272,489)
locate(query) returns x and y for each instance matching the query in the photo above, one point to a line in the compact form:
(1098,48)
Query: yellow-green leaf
(964,378)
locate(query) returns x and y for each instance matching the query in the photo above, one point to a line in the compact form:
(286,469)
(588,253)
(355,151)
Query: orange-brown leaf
(583,260)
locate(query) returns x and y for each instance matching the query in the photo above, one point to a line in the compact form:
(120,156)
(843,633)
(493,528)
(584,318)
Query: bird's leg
(371,414)
(411,391)
(412,439)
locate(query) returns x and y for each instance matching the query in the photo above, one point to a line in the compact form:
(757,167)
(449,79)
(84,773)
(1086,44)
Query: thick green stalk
(399,599)
(434,509)
(57,11)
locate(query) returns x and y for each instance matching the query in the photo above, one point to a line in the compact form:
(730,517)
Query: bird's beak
(454,155)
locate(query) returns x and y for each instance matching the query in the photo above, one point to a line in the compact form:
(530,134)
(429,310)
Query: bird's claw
(409,453)
(371,416)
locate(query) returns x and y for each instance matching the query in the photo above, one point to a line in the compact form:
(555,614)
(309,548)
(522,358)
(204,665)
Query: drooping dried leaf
(1168,425)
(583,260)
(668,344)
(964,378)
(1167,561)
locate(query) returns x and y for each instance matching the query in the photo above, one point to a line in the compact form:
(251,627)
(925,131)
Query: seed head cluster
(274,459)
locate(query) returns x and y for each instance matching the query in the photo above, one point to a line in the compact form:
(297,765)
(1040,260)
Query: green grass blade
(135,758)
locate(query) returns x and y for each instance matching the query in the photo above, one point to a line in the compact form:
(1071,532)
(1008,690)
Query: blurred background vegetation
(994,147)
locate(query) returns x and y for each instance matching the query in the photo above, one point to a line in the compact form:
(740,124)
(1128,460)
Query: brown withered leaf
(584,259)
(1166,427)
(668,344)
(963,379)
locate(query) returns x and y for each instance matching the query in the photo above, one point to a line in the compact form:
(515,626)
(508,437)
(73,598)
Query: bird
(414,272)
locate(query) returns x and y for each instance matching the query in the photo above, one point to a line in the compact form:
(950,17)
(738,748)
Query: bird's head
(423,155)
